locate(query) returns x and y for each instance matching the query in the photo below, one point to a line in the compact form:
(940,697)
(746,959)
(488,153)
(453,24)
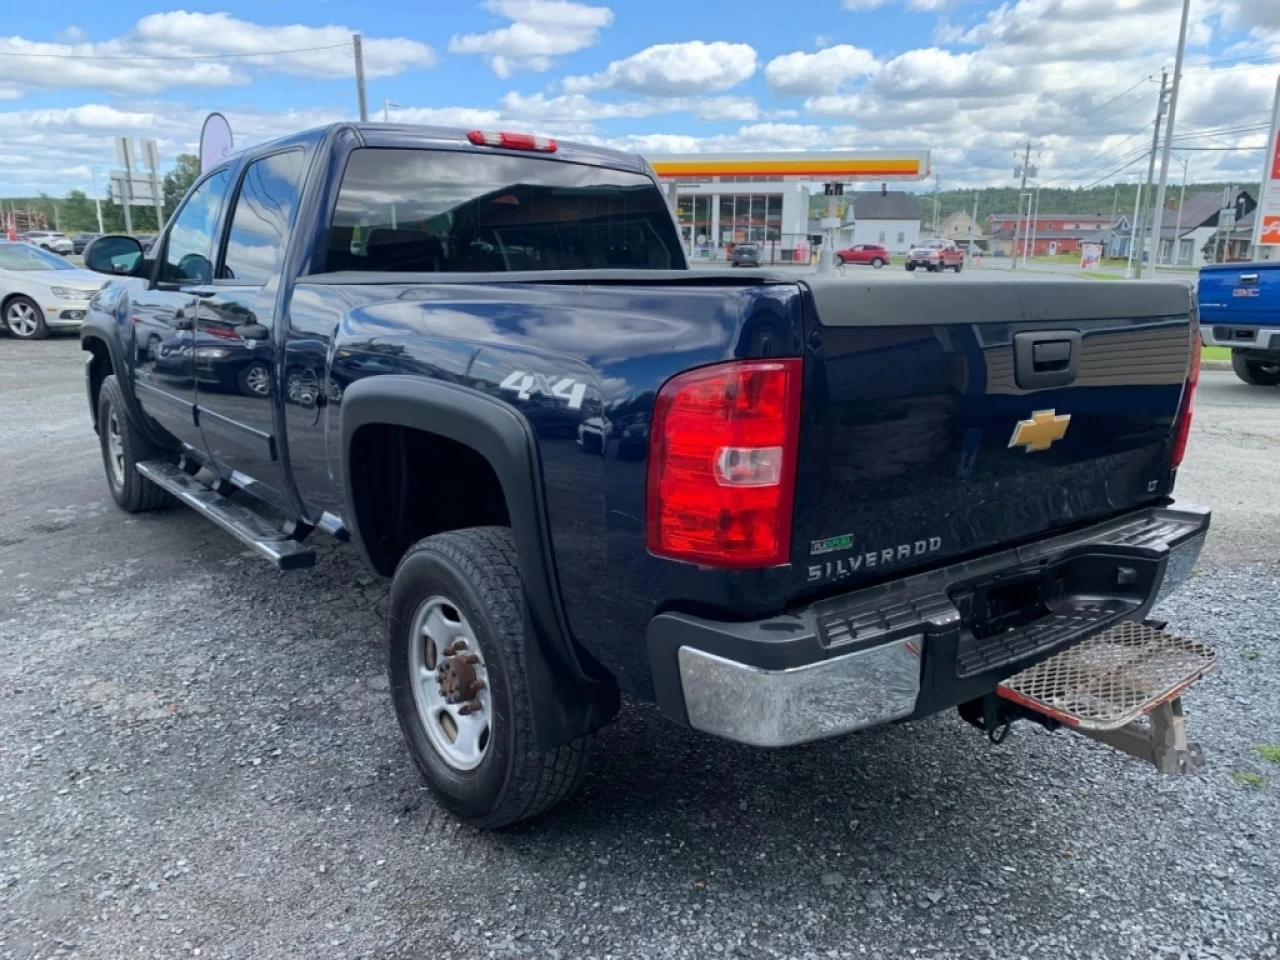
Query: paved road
(198,757)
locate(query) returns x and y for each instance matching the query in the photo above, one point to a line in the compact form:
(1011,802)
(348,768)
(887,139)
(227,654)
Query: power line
(204,56)
(1142,155)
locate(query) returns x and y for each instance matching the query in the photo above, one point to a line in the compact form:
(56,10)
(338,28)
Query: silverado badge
(1040,432)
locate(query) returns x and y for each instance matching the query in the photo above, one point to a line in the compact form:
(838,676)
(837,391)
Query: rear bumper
(904,649)
(1241,336)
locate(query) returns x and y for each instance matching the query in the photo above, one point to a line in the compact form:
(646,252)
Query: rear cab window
(439,211)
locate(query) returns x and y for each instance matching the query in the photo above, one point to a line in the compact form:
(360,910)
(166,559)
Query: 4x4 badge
(1043,430)
(524,385)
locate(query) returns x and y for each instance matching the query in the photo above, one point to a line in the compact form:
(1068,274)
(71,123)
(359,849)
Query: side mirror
(115,255)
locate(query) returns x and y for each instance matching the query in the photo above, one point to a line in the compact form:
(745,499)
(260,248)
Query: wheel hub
(459,682)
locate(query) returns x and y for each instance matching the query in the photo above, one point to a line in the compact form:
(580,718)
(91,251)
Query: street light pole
(386,115)
(1168,131)
(1177,229)
(1151,168)
(357,43)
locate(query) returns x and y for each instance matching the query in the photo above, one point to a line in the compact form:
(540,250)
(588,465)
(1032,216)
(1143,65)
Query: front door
(164,312)
(237,343)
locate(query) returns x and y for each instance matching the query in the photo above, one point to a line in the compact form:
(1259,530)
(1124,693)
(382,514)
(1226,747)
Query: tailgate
(948,419)
(1240,294)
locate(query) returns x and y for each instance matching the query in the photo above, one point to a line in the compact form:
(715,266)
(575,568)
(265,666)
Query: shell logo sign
(821,167)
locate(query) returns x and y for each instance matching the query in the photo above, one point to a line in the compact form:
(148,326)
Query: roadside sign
(1090,256)
(1266,229)
(139,189)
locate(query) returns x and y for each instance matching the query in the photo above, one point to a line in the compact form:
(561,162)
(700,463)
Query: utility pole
(359,53)
(937,185)
(1035,224)
(1182,198)
(386,109)
(97,201)
(1022,188)
(1168,133)
(1151,172)
(973,223)
(1133,232)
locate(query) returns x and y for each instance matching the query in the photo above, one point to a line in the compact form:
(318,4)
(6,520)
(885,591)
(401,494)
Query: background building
(890,218)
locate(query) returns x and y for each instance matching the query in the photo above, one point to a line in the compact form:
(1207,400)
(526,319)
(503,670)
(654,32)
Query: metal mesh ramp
(1111,679)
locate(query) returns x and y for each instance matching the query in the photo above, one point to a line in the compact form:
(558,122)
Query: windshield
(451,211)
(19,256)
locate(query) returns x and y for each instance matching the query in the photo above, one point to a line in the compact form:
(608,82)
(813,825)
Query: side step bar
(1122,687)
(238,520)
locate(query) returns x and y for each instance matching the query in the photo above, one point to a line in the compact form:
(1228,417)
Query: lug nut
(471,658)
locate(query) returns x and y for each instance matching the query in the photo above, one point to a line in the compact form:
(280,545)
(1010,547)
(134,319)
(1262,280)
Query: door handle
(1046,358)
(254,331)
(182,322)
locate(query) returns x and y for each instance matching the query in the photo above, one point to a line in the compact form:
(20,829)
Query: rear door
(237,337)
(164,311)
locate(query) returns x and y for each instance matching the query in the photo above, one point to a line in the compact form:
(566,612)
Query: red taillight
(722,464)
(1182,429)
(512,141)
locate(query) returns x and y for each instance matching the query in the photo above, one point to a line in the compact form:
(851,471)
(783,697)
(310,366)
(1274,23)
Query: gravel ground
(199,758)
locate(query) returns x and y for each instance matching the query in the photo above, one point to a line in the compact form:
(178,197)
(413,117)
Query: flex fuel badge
(831,544)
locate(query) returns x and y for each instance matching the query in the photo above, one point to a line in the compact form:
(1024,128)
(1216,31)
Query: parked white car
(51,240)
(40,291)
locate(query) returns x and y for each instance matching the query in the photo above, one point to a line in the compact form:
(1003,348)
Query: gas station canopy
(820,167)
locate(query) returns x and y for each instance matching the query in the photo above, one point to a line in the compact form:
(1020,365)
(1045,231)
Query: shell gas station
(763,198)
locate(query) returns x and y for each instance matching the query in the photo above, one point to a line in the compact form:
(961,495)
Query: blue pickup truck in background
(1240,309)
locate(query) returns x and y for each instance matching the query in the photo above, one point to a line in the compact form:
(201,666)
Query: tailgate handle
(1248,278)
(1046,358)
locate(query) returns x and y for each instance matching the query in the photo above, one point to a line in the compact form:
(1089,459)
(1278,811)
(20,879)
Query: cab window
(189,245)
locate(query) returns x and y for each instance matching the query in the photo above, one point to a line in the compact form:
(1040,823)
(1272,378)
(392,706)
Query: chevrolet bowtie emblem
(1040,432)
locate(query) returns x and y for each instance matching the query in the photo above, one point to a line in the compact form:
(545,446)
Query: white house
(890,218)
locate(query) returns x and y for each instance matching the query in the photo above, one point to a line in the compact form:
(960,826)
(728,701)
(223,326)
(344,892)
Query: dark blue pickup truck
(781,507)
(1240,309)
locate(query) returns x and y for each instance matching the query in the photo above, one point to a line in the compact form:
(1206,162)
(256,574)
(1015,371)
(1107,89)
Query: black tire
(959,267)
(475,570)
(911,268)
(1256,373)
(877,263)
(839,260)
(132,492)
(29,307)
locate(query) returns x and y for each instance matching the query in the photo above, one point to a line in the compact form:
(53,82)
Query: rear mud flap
(1122,687)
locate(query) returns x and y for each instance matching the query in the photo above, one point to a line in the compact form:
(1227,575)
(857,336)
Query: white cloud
(822,72)
(862,4)
(125,64)
(822,41)
(71,34)
(673,69)
(726,108)
(540,30)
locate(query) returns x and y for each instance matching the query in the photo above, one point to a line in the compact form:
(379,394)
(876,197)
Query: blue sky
(966,80)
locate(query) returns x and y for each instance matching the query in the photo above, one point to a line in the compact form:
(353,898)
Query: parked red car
(871,253)
(936,255)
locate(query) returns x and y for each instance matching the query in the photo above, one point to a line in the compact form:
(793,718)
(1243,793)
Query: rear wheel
(1258,373)
(877,263)
(123,447)
(959,267)
(455,653)
(25,319)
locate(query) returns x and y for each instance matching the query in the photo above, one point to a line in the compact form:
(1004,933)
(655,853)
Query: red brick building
(1051,233)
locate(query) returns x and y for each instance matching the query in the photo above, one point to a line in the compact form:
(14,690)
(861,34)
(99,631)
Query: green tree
(78,213)
(179,180)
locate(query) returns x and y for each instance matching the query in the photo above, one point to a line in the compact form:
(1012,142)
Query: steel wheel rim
(258,380)
(115,448)
(22,319)
(458,729)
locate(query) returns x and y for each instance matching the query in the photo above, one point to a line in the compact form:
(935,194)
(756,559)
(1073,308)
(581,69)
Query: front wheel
(1257,373)
(455,656)
(123,448)
(25,319)
(839,260)
(911,268)
(255,380)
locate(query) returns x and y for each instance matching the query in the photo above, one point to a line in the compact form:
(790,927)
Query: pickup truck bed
(781,508)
